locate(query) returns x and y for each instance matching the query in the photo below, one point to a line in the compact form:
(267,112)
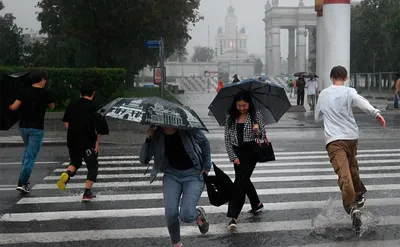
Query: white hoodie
(334,107)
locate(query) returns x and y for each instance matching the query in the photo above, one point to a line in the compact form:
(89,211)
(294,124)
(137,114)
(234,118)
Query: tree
(202,54)
(113,33)
(11,42)
(179,56)
(258,66)
(374,37)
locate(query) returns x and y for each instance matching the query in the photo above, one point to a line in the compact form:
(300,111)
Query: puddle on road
(334,224)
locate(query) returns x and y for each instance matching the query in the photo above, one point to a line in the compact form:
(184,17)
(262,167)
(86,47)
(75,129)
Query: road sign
(153,43)
(157,73)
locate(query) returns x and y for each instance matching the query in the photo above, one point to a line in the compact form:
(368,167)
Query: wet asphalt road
(299,190)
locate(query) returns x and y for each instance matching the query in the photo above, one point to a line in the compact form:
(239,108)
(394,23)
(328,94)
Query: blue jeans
(33,139)
(176,183)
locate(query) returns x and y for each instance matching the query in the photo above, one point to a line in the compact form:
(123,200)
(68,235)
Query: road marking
(8,189)
(162,232)
(383,243)
(253,179)
(19,163)
(145,212)
(230,166)
(226,163)
(367,151)
(274,191)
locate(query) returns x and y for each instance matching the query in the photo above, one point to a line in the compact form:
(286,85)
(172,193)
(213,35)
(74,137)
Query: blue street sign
(153,43)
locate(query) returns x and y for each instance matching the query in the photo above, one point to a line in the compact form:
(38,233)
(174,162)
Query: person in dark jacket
(32,104)
(83,140)
(301,85)
(235,79)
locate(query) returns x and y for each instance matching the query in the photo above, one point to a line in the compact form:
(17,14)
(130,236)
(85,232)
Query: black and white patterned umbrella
(153,111)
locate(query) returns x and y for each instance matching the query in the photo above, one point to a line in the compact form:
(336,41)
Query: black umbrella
(268,98)
(220,187)
(298,74)
(10,87)
(311,76)
(153,111)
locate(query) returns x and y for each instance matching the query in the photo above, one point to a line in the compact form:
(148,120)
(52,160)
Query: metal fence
(376,85)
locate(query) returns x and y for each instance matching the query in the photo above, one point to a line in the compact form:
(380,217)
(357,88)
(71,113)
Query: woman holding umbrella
(243,125)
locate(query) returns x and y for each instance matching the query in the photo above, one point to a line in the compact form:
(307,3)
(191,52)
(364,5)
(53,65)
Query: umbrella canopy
(153,111)
(10,87)
(270,99)
(299,74)
(311,75)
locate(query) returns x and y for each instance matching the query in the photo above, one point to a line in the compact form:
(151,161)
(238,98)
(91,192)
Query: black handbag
(264,150)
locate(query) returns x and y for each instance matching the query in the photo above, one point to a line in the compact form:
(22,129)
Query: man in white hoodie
(334,107)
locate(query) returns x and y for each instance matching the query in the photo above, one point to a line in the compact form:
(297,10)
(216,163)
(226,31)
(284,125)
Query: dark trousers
(89,156)
(300,97)
(244,186)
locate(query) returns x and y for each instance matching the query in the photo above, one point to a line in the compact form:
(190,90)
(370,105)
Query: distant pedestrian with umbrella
(32,104)
(300,85)
(243,125)
(235,79)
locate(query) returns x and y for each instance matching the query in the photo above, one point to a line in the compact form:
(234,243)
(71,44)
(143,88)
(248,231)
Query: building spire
(230,3)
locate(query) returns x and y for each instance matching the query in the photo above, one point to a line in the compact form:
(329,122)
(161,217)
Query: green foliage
(93,33)
(64,83)
(11,43)
(375,35)
(202,54)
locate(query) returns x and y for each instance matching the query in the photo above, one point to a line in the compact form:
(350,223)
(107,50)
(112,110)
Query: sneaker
(64,178)
(256,210)
(24,188)
(202,221)
(360,201)
(232,226)
(356,218)
(88,196)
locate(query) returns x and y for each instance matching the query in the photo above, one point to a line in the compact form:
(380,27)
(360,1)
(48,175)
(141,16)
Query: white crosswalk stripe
(297,186)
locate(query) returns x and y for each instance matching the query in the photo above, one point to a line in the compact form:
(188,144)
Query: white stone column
(301,49)
(267,56)
(276,51)
(312,49)
(320,49)
(336,36)
(291,55)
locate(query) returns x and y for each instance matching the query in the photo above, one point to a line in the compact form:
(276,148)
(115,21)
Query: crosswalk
(296,190)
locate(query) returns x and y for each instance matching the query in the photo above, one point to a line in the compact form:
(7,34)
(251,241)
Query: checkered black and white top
(249,135)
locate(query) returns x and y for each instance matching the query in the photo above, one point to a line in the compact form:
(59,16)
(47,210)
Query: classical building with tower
(231,41)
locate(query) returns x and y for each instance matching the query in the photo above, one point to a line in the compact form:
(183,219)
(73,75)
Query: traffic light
(220,49)
(216,52)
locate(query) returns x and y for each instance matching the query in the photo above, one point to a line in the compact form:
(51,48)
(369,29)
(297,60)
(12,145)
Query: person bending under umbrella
(242,127)
(183,156)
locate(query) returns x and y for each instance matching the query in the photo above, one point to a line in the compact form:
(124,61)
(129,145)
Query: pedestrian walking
(334,108)
(300,85)
(83,140)
(312,88)
(184,157)
(235,79)
(32,104)
(243,125)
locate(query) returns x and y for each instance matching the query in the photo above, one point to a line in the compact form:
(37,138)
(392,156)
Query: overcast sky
(249,12)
